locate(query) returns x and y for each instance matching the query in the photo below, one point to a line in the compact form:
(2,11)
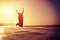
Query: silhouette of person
(20,18)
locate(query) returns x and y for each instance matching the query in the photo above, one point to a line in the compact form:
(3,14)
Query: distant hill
(57,26)
(43,26)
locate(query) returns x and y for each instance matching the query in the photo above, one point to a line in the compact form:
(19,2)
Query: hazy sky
(36,12)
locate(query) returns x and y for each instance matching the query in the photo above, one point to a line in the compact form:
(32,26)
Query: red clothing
(20,18)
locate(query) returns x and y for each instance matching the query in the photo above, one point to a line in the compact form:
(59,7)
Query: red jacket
(20,17)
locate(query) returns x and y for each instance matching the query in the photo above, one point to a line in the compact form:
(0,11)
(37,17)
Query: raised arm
(17,11)
(23,11)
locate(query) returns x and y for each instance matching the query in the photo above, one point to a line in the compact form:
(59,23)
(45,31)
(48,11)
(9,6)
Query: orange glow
(1,31)
(5,10)
(8,13)
(35,12)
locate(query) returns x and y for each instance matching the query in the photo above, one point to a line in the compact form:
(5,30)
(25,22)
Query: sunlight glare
(1,33)
(5,10)
(9,15)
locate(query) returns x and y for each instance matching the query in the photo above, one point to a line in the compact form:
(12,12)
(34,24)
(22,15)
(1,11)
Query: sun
(9,15)
(6,10)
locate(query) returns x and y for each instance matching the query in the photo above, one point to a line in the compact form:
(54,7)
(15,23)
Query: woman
(20,18)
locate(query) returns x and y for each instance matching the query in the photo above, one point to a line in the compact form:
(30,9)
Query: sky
(56,4)
(36,12)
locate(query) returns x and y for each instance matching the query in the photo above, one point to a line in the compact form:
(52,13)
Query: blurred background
(36,12)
